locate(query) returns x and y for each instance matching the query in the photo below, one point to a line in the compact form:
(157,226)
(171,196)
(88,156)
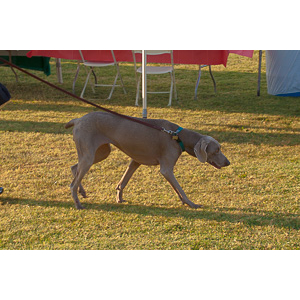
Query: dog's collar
(175,136)
(177,139)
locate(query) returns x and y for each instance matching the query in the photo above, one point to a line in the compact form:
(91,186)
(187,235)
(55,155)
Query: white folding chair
(95,64)
(155,70)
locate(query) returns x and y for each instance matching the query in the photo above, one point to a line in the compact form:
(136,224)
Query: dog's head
(209,150)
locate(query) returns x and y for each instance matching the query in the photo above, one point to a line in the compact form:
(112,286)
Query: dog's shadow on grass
(249,217)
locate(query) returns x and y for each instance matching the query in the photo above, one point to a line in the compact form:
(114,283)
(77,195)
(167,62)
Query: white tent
(283,72)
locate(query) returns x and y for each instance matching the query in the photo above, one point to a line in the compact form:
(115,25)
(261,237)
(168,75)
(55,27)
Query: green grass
(252,204)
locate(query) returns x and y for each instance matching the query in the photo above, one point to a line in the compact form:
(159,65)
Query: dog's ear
(200,150)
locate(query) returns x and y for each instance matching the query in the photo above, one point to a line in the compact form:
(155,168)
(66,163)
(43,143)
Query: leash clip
(167,131)
(175,137)
(174,134)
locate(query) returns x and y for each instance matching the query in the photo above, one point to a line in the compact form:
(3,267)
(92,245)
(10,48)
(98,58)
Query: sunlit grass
(252,204)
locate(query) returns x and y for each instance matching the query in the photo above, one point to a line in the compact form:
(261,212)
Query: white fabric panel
(283,71)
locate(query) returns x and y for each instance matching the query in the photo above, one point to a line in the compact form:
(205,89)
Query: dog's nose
(227,163)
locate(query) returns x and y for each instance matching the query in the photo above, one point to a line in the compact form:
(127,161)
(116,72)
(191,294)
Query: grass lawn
(252,204)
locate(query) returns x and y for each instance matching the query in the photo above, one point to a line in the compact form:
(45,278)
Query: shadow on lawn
(29,126)
(274,139)
(55,107)
(236,94)
(249,217)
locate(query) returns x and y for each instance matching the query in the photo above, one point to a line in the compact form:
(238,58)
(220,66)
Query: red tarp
(197,57)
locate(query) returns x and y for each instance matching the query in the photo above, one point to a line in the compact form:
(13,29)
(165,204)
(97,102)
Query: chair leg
(86,81)
(10,60)
(213,79)
(138,92)
(76,75)
(95,78)
(197,83)
(119,74)
(174,83)
(171,91)
(113,87)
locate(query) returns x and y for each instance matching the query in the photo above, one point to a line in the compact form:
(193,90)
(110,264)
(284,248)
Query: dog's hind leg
(83,166)
(81,189)
(124,180)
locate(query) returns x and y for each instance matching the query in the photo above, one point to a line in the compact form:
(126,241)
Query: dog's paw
(195,206)
(119,200)
(79,206)
(198,206)
(83,194)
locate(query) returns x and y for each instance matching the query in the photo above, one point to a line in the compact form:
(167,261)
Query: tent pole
(259,72)
(144,83)
(58,70)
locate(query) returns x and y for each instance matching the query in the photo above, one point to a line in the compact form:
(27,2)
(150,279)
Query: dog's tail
(70,123)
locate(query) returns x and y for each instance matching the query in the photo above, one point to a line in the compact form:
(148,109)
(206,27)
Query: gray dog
(94,132)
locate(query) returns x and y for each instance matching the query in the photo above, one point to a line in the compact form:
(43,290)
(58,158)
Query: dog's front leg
(124,180)
(167,172)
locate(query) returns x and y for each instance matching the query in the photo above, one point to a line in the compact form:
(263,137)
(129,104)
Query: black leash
(174,134)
